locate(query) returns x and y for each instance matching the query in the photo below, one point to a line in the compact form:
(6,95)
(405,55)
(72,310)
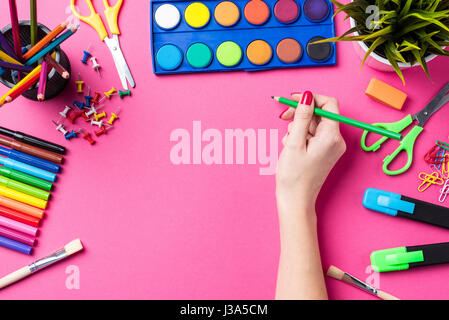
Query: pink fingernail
(295,93)
(283,113)
(307,98)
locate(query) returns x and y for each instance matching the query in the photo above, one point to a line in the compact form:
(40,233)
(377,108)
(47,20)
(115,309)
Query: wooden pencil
(23,88)
(46,40)
(4,43)
(42,81)
(33,22)
(13,66)
(31,75)
(15,28)
(7,58)
(57,66)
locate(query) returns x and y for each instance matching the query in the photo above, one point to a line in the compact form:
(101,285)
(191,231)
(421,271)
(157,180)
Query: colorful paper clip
(429,180)
(444,192)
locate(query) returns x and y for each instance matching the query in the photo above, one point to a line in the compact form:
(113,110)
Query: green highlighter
(24,188)
(25,178)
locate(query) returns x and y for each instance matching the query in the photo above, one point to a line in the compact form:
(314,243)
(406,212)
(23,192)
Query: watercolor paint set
(250,35)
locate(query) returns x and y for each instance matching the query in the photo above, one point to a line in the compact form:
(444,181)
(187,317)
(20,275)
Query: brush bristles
(335,273)
(73,247)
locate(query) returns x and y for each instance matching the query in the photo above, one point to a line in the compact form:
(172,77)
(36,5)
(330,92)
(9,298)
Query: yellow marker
(114,116)
(197,15)
(110,93)
(18,85)
(99,116)
(22,197)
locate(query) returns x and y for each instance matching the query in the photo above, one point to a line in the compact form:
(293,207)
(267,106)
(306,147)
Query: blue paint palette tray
(250,35)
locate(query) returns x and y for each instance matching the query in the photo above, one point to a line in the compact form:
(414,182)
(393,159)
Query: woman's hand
(312,147)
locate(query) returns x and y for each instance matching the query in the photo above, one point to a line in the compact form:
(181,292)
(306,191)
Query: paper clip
(430,156)
(440,158)
(444,192)
(443,145)
(445,167)
(428,180)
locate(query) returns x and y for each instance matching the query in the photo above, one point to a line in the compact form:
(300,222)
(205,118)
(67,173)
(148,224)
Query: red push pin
(102,131)
(87,136)
(73,116)
(96,99)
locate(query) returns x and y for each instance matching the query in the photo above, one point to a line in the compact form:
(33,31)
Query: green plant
(406,30)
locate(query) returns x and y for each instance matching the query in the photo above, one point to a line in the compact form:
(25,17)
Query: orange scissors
(94,20)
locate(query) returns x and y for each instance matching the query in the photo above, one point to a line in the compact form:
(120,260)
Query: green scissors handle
(406,145)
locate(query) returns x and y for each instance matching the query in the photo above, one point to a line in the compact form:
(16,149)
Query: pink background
(153,230)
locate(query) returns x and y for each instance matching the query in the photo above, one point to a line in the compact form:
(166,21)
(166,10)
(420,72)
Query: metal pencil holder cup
(55,83)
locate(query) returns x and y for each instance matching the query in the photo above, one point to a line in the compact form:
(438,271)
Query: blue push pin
(71,135)
(88,98)
(80,105)
(87,55)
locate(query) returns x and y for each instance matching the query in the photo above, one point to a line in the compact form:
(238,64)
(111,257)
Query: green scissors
(408,142)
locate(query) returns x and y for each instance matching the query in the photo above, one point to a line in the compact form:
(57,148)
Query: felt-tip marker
(23,167)
(26,178)
(25,138)
(31,160)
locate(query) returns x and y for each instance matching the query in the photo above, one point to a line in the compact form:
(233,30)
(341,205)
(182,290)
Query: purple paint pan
(316,10)
(286,11)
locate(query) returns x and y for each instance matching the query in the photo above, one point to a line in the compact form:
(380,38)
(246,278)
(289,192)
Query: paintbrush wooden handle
(14,277)
(386,296)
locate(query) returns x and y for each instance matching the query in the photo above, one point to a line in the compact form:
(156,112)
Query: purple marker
(15,245)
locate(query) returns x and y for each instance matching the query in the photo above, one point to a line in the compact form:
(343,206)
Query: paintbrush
(338,274)
(61,254)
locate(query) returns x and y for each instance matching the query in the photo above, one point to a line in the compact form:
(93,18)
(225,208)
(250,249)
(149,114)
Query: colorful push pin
(99,116)
(102,131)
(124,93)
(88,98)
(87,136)
(114,117)
(80,84)
(71,135)
(87,55)
(110,93)
(99,124)
(80,105)
(60,128)
(96,66)
(64,113)
(92,111)
(96,99)
(74,115)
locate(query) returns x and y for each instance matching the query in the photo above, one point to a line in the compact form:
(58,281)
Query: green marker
(25,178)
(24,188)
(345,120)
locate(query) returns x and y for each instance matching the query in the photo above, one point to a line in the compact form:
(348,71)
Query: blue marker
(25,168)
(15,245)
(31,160)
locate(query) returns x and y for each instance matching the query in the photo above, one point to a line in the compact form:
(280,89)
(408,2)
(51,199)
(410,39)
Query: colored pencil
(42,81)
(34,151)
(33,22)
(15,28)
(57,66)
(18,226)
(21,207)
(7,58)
(32,74)
(17,236)
(15,245)
(23,88)
(52,46)
(13,66)
(333,116)
(4,43)
(46,40)
(19,216)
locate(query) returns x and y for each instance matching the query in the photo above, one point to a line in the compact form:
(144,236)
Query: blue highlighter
(31,160)
(25,168)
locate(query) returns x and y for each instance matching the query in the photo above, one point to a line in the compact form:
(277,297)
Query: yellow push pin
(110,93)
(99,116)
(80,84)
(114,116)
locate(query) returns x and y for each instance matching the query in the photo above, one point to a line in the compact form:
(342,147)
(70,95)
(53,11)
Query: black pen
(22,137)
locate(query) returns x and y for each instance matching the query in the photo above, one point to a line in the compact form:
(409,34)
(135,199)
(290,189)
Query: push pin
(110,93)
(96,66)
(80,105)
(99,116)
(88,98)
(71,135)
(74,115)
(96,123)
(114,117)
(60,128)
(64,113)
(80,84)
(87,136)
(124,93)
(87,55)
(102,131)
(92,111)
(96,99)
